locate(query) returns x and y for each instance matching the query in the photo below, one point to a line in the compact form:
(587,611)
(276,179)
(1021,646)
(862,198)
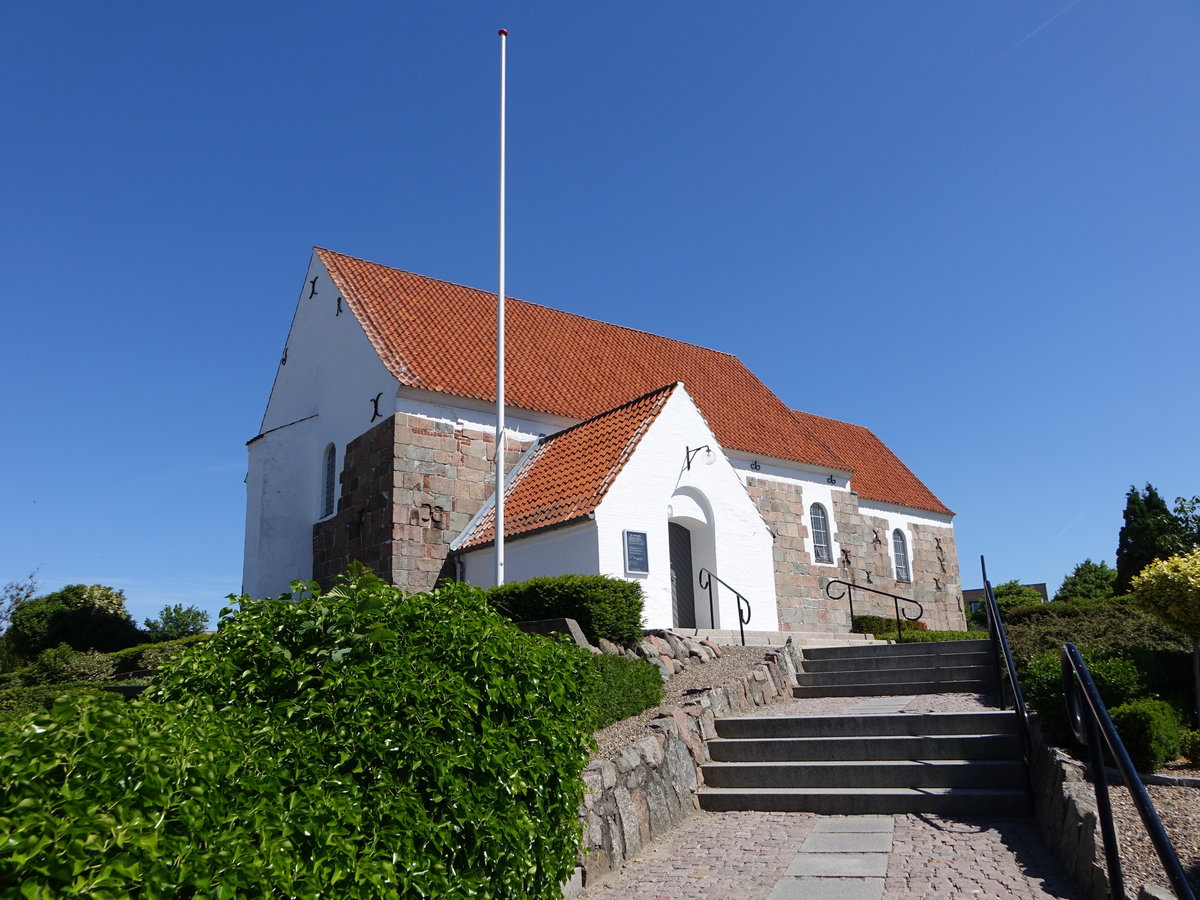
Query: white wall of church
(560,551)
(738,547)
(323,394)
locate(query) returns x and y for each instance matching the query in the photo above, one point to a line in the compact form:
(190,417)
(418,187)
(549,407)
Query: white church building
(629,454)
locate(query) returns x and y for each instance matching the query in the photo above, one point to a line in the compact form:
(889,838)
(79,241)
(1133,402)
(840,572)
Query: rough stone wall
(649,786)
(409,486)
(864,542)
(1064,805)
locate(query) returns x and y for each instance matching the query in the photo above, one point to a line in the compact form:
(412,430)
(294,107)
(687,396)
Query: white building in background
(630,454)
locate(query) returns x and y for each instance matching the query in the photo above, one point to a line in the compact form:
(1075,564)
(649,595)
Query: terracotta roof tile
(878,474)
(567,476)
(441,337)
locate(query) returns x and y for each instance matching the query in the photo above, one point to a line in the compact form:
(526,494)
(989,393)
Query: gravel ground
(1179,810)
(1177,807)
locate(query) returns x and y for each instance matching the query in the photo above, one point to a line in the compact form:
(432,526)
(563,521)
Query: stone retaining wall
(650,786)
(1065,807)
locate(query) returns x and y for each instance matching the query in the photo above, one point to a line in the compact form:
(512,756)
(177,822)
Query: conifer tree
(1151,531)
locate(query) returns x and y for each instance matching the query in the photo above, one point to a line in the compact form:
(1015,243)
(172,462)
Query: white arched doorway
(692,548)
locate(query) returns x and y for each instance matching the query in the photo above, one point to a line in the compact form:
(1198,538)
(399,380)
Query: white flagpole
(501,436)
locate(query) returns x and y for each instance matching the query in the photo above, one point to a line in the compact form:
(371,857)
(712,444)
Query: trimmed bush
(1101,625)
(148,656)
(360,744)
(936,637)
(604,607)
(41,697)
(882,626)
(61,665)
(1117,679)
(1189,746)
(1150,731)
(623,687)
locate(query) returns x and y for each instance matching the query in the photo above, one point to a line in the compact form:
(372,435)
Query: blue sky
(971,227)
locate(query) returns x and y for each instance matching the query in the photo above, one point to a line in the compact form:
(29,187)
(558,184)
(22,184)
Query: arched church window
(900,551)
(822,548)
(329,479)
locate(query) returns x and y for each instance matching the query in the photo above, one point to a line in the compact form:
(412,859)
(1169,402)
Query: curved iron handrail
(1005,663)
(851,587)
(1082,697)
(707,584)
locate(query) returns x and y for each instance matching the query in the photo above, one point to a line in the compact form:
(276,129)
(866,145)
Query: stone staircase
(891,669)
(876,760)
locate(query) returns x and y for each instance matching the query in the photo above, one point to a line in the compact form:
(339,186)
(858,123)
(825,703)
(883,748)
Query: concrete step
(896,724)
(890,689)
(895,676)
(862,748)
(950,802)
(816,639)
(875,773)
(896,661)
(939,648)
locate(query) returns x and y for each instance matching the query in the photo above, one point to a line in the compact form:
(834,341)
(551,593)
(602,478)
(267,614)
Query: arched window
(900,550)
(822,548)
(329,480)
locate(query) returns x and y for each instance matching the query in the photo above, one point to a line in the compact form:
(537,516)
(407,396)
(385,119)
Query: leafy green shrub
(1117,678)
(623,687)
(360,743)
(1150,731)
(176,622)
(85,616)
(604,607)
(41,697)
(1189,746)
(882,626)
(61,665)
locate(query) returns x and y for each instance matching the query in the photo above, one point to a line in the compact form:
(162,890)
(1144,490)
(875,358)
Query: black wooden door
(683,593)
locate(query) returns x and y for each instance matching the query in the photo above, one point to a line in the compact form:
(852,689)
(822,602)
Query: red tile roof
(568,474)
(441,337)
(878,473)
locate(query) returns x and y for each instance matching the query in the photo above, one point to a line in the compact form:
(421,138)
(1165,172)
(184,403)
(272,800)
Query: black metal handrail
(1006,664)
(851,587)
(706,583)
(1081,696)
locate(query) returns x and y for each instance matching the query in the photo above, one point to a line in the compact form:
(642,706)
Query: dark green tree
(1089,581)
(83,616)
(176,621)
(1013,595)
(1151,531)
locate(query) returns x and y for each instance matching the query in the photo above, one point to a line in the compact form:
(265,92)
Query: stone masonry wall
(409,486)
(649,786)
(864,542)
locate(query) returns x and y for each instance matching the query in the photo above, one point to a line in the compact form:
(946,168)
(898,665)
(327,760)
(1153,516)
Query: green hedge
(41,697)
(1150,731)
(622,688)
(935,637)
(1099,624)
(133,659)
(604,607)
(883,626)
(359,744)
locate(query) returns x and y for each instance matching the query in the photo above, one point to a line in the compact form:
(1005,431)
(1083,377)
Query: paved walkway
(803,856)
